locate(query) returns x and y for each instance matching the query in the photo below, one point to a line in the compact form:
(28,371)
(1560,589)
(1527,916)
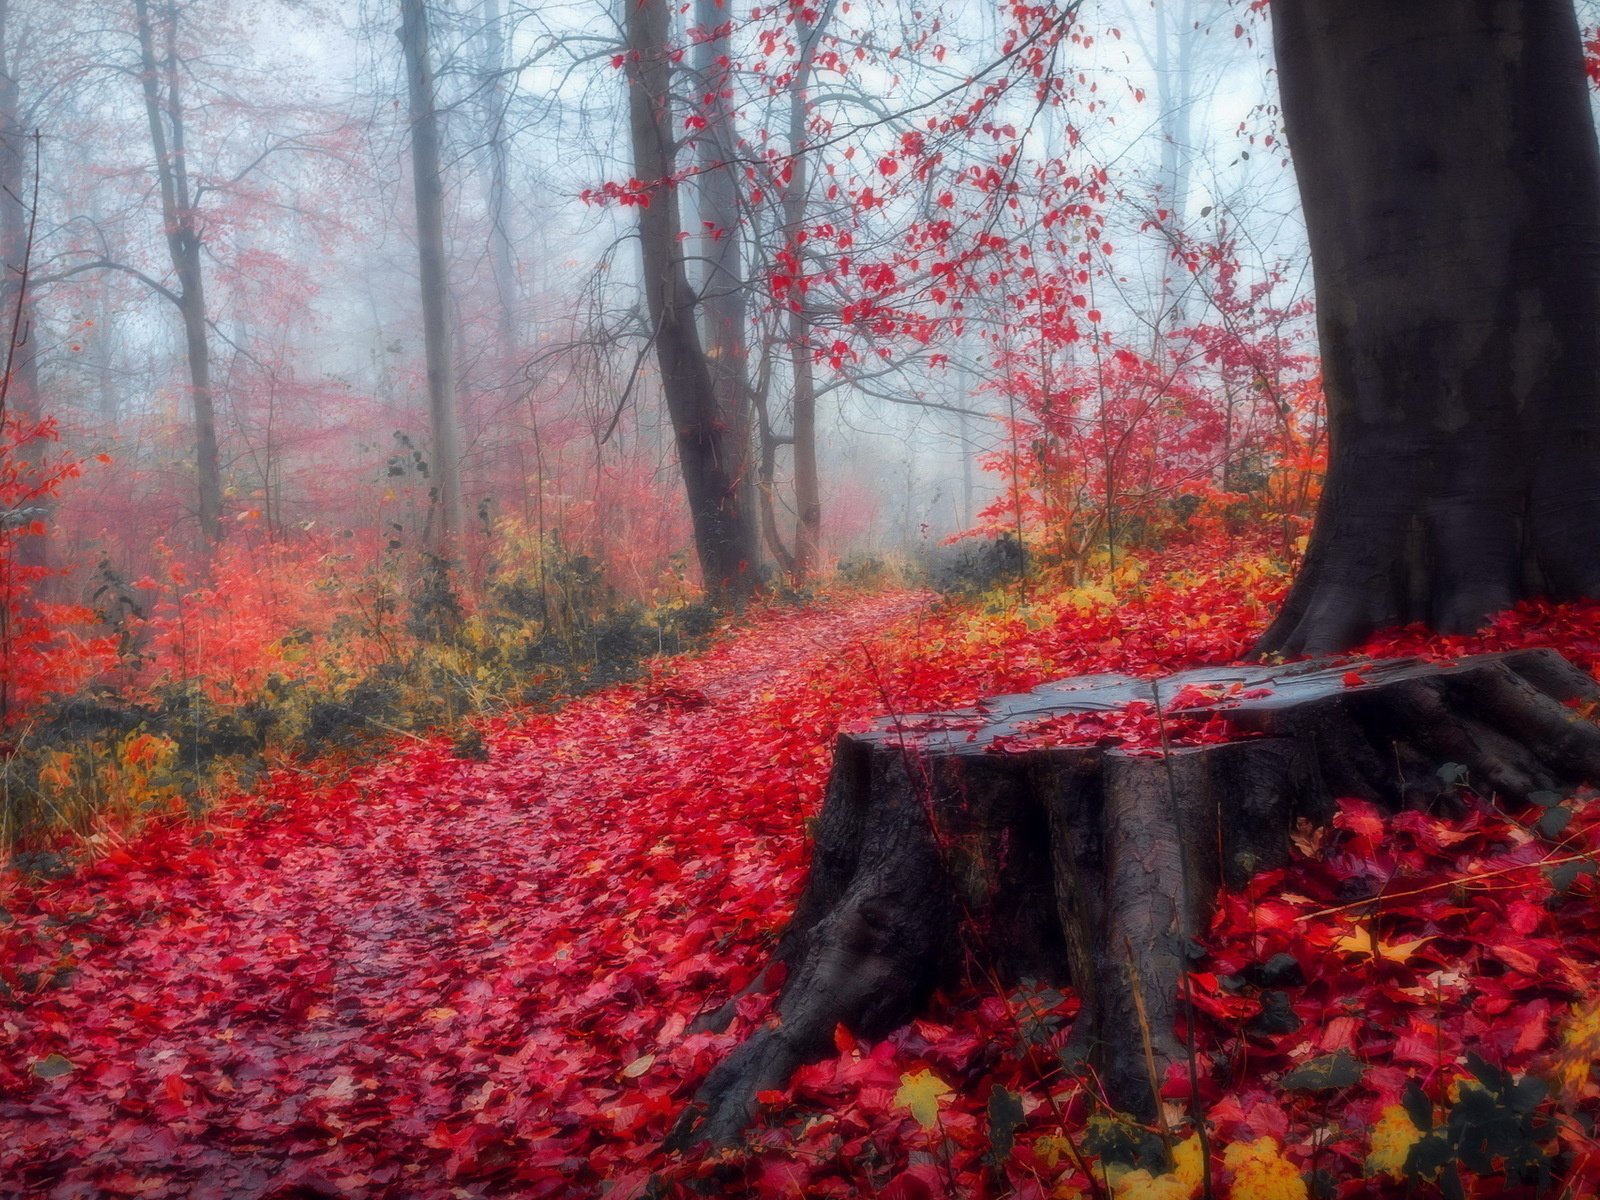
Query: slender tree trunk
(17,164)
(1174,54)
(766,486)
(165,114)
(1451,184)
(807,493)
(723,303)
(16,152)
(502,262)
(428,189)
(724,539)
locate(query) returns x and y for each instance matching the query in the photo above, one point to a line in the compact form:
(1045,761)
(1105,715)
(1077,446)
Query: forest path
(450,978)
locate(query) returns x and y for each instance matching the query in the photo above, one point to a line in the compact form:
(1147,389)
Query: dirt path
(453,978)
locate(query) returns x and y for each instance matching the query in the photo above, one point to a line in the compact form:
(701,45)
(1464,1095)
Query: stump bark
(1012,838)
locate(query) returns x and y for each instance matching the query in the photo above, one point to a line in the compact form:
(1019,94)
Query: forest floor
(461,978)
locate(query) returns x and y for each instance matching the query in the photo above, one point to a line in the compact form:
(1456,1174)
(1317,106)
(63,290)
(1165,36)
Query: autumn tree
(1451,184)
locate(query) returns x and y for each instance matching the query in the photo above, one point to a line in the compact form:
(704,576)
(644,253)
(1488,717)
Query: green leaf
(1429,1155)
(1417,1105)
(1491,1076)
(1005,1117)
(1328,1073)
(1564,876)
(1452,772)
(1554,821)
(53,1066)
(1524,1095)
(1545,799)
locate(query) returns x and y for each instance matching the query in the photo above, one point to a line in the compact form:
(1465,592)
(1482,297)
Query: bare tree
(161,77)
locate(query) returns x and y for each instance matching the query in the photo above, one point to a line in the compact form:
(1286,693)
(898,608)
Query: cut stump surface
(1079,833)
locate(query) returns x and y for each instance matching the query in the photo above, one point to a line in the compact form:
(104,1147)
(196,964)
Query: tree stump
(1079,833)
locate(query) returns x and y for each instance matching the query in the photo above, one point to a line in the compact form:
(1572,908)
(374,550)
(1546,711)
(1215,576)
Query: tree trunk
(723,298)
(166,114)
(724,537)
(22,398)
(807,493)
(428,189)
(1451,184)
(999,843)
(766,482)
(16,150)
(491,102)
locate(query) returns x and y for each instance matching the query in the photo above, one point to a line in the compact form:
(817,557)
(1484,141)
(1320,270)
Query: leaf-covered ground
(458,979)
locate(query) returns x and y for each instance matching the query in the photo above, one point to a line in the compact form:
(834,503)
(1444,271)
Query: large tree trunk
(1001,842)
(428,188)
(1451,184)
(724,537)
(165,114)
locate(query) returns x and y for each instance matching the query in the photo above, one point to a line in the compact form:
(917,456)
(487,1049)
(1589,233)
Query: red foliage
(39,649)
(449,978)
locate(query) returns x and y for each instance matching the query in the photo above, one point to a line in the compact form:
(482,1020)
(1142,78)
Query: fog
(1142,135)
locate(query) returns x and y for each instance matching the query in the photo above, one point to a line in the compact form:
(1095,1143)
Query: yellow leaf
(920,1095)
(439,1015)
(1392,1139)
(1181,1183)
(1260,1172)
(1361,941)
(1050,1149)
(1571,1065)
(638,1066)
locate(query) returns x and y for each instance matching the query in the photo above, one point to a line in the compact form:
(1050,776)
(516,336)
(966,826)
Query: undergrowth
(162,695)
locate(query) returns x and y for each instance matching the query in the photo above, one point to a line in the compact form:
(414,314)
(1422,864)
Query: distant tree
(18,155)
(15,217)
(161,77)
(1451,183)
(809,29)
(428,190)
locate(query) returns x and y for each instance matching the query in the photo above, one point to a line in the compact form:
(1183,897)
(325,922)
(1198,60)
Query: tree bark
(428,190)
(16,305)
(491,106)
(165,114)
(1451,185)
(723,297)
(970,843)
(796,196)
(724,537)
